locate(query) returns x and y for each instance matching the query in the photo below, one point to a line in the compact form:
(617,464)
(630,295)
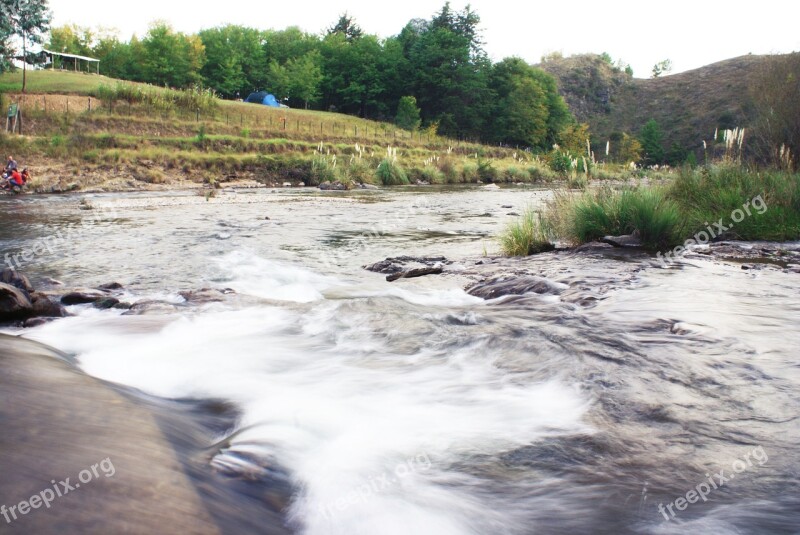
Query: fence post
(90,104)
(67,104)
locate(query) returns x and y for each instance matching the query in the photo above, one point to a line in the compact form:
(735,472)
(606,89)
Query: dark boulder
(405,263)
(14,303)
(110,286)
(82,297)
(106,303)
(43,306)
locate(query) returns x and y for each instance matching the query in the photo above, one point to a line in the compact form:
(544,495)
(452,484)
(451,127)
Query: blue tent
(262,97)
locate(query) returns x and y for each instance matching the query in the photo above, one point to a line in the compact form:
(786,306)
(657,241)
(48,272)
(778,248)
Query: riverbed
(635,399)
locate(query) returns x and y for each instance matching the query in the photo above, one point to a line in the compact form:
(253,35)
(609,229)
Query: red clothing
(16,178)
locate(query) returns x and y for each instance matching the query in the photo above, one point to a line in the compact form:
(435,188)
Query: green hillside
(121,135)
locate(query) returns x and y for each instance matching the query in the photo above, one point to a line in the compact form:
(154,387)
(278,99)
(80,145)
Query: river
(670,404)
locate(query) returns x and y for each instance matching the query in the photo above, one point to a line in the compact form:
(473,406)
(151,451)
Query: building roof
(74,56)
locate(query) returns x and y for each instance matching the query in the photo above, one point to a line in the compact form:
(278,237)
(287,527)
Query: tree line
(438,64)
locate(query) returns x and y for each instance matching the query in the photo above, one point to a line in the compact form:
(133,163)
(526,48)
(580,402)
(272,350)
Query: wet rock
(332,186)
(106,303)
(627,240)
(500,286)
(110,286)
(43,306)
(52,282)
(412,273)
(16,279)
(206,295)
(14,303)
(122,305)
(367,186)
(506,206)
(35,322)
(490,187)
(82,297)
(405,263)
(150,308)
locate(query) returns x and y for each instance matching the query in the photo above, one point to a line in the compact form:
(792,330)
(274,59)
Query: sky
(689,33)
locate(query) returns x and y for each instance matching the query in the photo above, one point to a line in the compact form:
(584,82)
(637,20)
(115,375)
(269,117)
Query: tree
(408,117)
(235,59)
(171,58)
(72,39)
(346,26)
(528,109)
(28,19)
(651,140)
(450,72)
(298,79)
(662,67)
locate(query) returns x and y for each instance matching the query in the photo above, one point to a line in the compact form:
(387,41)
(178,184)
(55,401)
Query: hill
(688,106)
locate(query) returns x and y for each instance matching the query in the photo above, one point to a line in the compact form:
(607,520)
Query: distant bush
(160,99)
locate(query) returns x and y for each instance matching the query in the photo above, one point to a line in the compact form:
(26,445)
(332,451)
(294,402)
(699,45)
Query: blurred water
(412,407)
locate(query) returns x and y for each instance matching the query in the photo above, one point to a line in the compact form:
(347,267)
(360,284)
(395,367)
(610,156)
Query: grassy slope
(236,140)
(688,106)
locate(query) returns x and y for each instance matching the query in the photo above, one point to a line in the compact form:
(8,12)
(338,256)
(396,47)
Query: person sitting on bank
(15,179)
(11,165)
(26,176)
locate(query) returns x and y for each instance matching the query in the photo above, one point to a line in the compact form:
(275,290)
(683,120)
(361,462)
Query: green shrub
(486,171)
(469,173)
(358,171)
(515,174)
(390,173)
(528,235)
(323,169)
(648,212)
(561,162)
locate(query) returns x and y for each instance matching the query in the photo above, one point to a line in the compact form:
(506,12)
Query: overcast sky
(690,33)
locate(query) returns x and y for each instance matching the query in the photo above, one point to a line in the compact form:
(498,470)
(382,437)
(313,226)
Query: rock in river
(501,286)
(14,303)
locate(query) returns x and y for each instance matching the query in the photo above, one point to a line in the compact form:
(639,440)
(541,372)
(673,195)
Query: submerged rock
(110,286)
(333,186)
(106,303)
(627,240)
(145,308)
(82,297)
(500,286)
(205,295)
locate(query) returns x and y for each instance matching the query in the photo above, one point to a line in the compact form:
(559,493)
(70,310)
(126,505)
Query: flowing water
(669,406)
